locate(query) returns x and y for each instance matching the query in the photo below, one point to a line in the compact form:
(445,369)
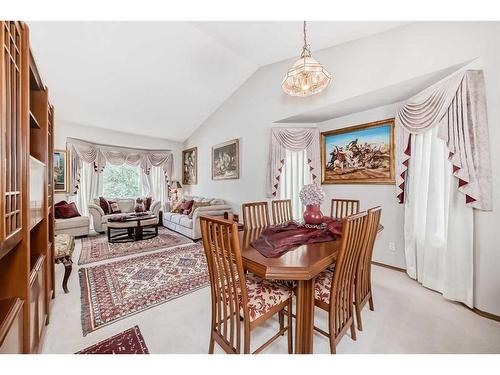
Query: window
(121,181)
(295,174)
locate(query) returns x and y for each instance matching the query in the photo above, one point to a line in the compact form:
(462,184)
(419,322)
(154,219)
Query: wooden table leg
(304,324)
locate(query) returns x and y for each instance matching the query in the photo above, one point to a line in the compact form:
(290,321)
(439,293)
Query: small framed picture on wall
(190,166)
(61,171)
(226,160)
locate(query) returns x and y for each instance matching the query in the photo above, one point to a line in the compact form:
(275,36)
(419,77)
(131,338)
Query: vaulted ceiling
(164,79)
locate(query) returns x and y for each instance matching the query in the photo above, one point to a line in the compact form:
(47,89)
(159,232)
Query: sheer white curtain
(438,223)
(154,185)
(295,174)
(91,186)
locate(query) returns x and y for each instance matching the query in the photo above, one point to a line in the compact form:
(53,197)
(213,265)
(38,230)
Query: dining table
(301,264)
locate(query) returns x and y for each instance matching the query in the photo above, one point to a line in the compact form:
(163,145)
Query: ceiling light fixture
(307,76)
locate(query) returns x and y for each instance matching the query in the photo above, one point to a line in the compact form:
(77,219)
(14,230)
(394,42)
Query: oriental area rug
(96,248)
(127,342)
(116,290)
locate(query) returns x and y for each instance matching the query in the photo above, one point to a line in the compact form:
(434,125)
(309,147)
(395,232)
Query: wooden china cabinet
(26,189)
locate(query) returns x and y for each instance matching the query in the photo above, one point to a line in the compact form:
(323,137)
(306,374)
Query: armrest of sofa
(155,207)
(96,213)
(215,210)
(95,209)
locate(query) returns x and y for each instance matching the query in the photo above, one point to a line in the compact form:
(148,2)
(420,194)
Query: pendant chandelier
(307,76)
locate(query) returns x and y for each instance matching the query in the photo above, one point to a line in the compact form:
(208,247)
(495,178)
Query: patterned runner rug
(127,342)
(95,248)
(119,289)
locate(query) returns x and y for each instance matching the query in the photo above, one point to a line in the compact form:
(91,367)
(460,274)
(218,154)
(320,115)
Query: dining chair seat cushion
(263,295)
(322,286)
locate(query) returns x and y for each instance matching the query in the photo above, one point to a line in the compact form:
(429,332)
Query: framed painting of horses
(361,154)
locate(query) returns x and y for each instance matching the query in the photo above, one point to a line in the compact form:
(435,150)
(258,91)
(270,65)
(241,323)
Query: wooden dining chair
(255,215)
(344,207)
(236,295)
(362,280)
(334,290)
(282,211)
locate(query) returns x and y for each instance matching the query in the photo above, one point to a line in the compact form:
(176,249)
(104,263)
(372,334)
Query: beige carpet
(407,319)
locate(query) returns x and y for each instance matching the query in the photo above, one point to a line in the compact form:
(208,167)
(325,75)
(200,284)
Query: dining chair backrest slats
(282,211)
(363,272)
(344,207)
(255,215)
(341,295)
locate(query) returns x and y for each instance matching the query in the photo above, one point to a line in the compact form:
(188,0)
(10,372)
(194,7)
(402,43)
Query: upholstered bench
(64,246)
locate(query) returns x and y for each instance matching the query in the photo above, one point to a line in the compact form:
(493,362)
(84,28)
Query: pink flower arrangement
(312,194)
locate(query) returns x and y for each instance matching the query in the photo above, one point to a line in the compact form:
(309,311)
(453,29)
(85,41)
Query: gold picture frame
(361,154)
(190,166)
(226,160)
(61,171)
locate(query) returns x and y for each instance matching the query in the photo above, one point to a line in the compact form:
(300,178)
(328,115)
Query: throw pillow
(147,203)
(196,205)
(57,214)
(114,208)
(67,211)
(186,207)
(103,203)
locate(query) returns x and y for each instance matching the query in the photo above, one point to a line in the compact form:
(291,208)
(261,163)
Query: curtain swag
(291,139)
(458,107)
(82,151)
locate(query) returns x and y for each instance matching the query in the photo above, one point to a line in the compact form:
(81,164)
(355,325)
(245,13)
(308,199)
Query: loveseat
(126,205)
(190,226)
(69,221)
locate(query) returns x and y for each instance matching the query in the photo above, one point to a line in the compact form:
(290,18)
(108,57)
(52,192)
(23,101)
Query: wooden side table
(64,246)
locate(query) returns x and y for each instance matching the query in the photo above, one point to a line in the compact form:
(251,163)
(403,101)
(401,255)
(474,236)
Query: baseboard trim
(482,313)
(394,268)
(486,314)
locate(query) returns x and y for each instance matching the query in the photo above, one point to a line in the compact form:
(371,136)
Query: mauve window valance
(98,155)
(291,139)
(458,107)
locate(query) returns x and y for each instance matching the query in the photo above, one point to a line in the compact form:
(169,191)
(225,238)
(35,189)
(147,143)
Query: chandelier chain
(306,51)
(305,33)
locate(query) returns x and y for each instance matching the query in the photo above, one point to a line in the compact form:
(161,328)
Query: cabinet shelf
(34,223)
(33,121)
(7,246)
(35,264)
(9,308)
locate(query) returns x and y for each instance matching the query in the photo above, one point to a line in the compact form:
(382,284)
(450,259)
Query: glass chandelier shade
(307,76)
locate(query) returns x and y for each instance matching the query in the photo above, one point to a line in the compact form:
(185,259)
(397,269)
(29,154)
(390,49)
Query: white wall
(64,130)
(361,66)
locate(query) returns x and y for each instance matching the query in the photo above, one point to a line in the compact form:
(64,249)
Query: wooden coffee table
(132,227)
